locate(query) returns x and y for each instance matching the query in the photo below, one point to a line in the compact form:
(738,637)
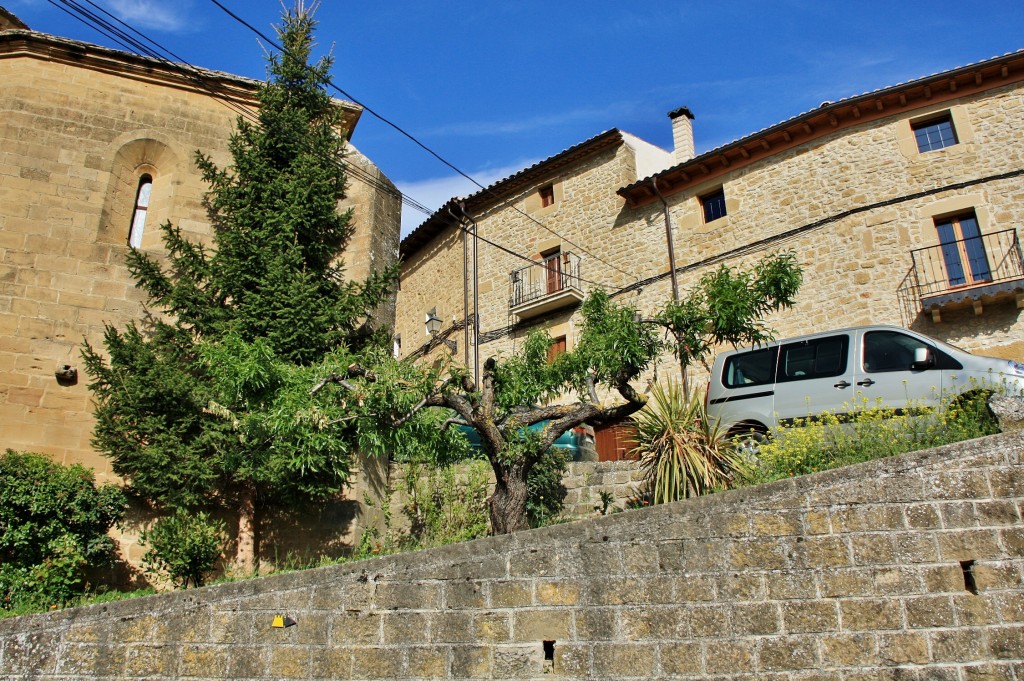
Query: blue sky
(495,86)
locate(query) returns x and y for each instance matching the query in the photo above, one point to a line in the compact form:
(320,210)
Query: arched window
(139,213)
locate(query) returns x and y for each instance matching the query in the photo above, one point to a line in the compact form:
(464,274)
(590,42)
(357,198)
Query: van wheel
(748,440)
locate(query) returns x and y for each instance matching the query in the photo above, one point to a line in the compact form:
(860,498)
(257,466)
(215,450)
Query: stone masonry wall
(854,261)
(854,265)
(906,568)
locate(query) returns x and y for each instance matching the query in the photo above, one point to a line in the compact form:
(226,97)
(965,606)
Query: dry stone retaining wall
(906,568)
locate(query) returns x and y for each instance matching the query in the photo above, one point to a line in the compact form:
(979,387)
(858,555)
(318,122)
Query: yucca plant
(682,453)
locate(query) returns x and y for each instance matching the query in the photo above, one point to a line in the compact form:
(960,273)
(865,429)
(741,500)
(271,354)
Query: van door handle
(842,384)
(866,381)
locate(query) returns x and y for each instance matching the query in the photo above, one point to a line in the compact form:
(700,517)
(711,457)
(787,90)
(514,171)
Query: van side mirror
(923,359)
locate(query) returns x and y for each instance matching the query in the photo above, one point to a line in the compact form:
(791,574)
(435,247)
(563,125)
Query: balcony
(965,273)
(551,284)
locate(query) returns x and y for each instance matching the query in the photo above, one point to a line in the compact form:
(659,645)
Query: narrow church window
(139,213)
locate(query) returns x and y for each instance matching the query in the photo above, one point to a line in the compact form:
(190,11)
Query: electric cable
(161,54)
(424,147)
(168,57)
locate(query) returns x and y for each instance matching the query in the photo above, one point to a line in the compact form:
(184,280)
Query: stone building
(902,205)
(96,151)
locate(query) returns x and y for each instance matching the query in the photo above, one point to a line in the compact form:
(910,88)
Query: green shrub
(183,547)
(681,452)
(874,431)
(445,507)
(545,493)
(53,525)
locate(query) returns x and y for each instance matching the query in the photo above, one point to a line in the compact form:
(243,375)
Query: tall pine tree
(209,402)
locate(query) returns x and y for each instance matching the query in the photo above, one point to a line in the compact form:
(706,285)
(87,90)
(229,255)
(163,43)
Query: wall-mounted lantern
(433,322)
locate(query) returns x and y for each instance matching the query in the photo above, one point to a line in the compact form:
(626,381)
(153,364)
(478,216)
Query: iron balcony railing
(555,274)
(983,263)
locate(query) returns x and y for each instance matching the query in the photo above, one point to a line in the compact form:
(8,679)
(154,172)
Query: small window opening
(549,656)
(967,567)
(142,196)
(714,205)
(397,346)
(934,133)
(547,196)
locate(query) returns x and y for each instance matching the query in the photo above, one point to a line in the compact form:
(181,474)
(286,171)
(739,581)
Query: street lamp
(433,323)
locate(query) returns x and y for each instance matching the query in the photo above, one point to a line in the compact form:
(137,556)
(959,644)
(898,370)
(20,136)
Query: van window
(815,358)
(890,351)
(750,368)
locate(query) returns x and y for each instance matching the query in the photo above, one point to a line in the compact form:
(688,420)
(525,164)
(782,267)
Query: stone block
(557,592)
(597,624)
(849,650)
(623,659)
(471,662)
(492,627)
(956,645)
(660,623)
(541,625)
(571,660)
(251,661)
(967,545)
(810,616)
(326,663)
(508,594)
(290,662)
(377,663)
(427,662)
(517,662)
(407,596)
(821,552)
(929,611)
(786,653)
(903,648)
(405,628)
(445,627)
(1006,642)
(348,628)
(206,661)
(464,594)
(869,614)
(707,621)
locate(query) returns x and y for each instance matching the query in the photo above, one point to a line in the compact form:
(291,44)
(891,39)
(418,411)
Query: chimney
(682,134)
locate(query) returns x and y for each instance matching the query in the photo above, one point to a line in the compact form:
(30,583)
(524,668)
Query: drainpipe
(476,296)
(668,240)
(672,266)
(465,289)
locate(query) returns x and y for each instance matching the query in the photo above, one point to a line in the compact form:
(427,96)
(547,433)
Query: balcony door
(963,251)
(553,268)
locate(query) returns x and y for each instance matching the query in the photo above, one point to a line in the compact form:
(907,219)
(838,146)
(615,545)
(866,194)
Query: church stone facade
(83,129)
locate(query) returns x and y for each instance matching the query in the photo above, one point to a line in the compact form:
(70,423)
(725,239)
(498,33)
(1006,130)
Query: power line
(421,145)
(168,57)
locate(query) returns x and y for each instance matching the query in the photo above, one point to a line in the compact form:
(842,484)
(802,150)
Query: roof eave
(826,119)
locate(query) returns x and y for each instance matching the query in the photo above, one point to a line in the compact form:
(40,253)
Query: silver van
(756,389)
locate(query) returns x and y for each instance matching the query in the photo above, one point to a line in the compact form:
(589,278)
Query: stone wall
(906,568)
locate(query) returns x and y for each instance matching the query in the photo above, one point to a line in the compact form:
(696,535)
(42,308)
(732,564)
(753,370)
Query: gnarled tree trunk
(507,504)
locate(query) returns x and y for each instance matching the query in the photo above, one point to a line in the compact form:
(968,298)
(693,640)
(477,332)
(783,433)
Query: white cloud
(161,16)
(435,192)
